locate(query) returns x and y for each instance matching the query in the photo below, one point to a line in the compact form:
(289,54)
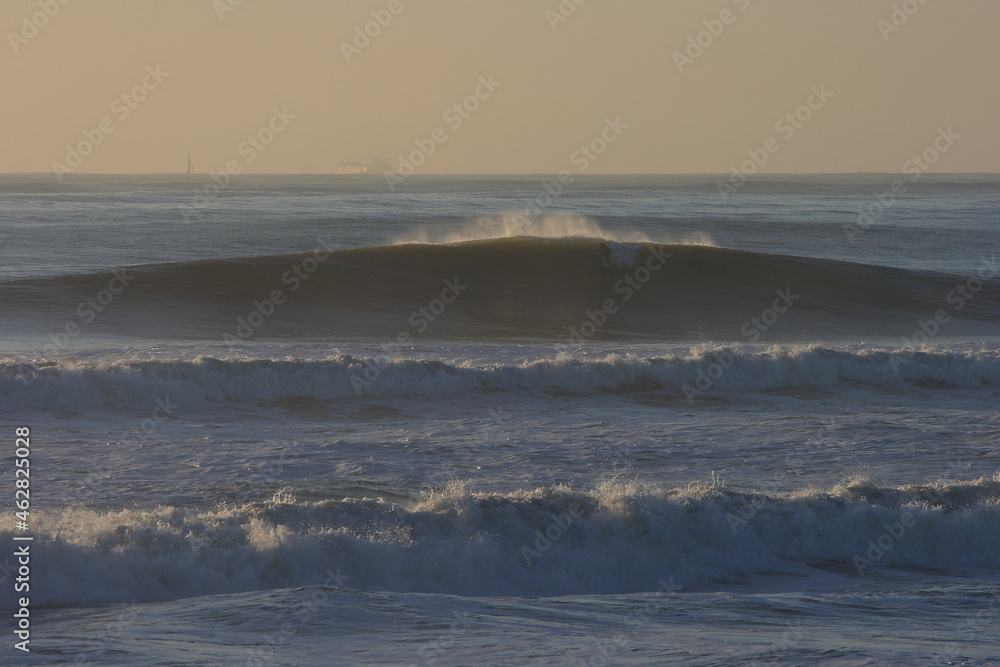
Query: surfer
(606,250)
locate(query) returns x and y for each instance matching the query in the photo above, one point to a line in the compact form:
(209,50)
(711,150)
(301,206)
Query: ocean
(312,420)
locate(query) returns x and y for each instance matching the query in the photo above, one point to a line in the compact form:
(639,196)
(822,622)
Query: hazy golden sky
(222,75)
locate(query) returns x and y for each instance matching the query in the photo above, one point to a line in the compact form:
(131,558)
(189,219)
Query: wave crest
(617,538)
(208,381)
(552,226)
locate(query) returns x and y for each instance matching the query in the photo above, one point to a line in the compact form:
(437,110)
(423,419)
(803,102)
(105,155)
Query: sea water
(309,421)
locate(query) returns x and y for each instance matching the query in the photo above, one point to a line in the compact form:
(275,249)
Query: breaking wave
(208,381)
(513,288)
(615,538)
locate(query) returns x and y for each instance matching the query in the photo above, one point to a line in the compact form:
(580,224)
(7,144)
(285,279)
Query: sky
(602,86)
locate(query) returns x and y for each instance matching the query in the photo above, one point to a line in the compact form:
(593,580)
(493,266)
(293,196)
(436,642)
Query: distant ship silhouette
(377,165)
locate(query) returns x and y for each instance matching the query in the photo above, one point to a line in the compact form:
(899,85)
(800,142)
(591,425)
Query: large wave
(615,538)
(513,288)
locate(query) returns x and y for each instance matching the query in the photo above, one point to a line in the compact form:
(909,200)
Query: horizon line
(513,173)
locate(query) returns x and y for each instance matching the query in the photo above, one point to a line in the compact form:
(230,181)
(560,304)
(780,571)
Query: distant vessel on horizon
(376,165)
(190,169)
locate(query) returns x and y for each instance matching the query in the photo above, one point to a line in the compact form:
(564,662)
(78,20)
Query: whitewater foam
(208,381)
(618,537)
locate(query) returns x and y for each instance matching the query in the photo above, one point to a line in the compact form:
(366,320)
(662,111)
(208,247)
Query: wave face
(552,541)
(208,382)
(513,288)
